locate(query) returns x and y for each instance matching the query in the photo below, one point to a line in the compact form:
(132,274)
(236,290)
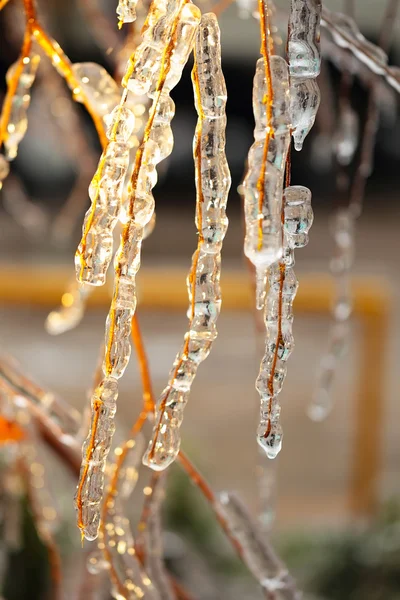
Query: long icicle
(212,184)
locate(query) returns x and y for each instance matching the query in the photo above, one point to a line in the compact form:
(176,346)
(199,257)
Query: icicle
(18,121)
(212,184)
(71,311)
(341,265)
(262,185)
(126,11)
(304,59)
(278,317)
(99,87)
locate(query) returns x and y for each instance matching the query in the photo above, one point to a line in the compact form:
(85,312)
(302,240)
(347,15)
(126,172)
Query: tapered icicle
(71,311)
(18,120)
(304,103)
(262,185)
(256,553)
(278,317)
(341,265)
(212,184)
(304,59)
(170,29)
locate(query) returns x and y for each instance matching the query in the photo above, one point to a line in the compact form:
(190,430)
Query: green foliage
(27,573)
(355,564)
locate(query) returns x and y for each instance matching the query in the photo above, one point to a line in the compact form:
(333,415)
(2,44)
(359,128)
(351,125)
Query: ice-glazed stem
(344,232)
(243,535)
(346,34)
(94,252)
(167,42)
(20,77)
(17,122)
(65,420)
(256,553)
(71,310)
(262,185)
(278,317)
(149,538)
(129,579)
(212,185)
(116,548)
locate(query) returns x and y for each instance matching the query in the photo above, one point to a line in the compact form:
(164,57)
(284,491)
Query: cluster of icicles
(285,100)
(278,217)
(117,552)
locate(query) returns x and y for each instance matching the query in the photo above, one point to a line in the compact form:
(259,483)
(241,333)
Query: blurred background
(336,548)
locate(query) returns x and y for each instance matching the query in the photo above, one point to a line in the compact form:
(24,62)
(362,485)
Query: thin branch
(364,51)
(368,144)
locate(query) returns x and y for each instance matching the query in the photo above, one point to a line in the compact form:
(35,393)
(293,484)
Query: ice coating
(71,310)
(94,252)
(95,450)
(115,546)
(129,580)
(65,420)
(341,265)
(150,537)
(126,11)
(346,138)
(4,169)
(127,258)
(304,55)
(256,553)
(304,102)
(212,184)
(304,58)
(278,317)
(18,120)
(347,35)
(262,185)
(98,86)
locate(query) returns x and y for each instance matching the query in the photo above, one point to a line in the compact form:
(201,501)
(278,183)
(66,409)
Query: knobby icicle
(14,123)
(304,59)
(262,185)
(212,184)
(278,317)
